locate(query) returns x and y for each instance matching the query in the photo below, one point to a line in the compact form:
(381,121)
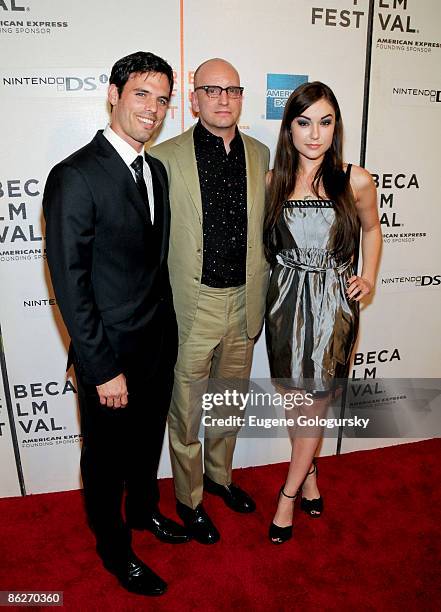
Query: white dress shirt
(128,155)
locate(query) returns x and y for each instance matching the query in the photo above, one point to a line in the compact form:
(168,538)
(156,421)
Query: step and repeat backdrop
(56,59)
(400,328)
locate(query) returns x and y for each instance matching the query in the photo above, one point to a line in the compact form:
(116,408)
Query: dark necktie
(137,166)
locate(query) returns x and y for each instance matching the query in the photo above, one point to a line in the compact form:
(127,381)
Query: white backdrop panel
(280,39)
(403,131)
(8,479)
(54,89)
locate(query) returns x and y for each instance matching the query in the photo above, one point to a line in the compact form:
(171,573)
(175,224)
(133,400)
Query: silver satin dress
(310,324)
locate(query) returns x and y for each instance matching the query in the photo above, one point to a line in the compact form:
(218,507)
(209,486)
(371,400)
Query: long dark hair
(330,172)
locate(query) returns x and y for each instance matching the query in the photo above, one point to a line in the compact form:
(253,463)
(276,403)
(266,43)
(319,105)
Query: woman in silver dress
(316,205)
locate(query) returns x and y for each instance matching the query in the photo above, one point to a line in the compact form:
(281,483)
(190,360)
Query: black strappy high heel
(313,507)
(279,535)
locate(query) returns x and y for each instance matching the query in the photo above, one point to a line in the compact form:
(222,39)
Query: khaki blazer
(186,235)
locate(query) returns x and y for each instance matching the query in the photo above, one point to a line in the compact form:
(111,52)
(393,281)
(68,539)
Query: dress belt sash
(288,259)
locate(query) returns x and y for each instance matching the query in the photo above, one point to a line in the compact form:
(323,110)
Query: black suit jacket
(108,263)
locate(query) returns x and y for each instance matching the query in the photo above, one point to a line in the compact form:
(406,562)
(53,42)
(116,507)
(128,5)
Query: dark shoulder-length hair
(330,173)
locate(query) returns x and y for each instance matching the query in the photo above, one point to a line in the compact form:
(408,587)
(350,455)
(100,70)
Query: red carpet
(377,546)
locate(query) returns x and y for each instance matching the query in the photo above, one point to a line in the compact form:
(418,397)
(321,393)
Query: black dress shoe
(136,577)
(162,527)
(233,496)
(198,523)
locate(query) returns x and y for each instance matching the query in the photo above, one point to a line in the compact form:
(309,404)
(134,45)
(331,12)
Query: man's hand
(113,393)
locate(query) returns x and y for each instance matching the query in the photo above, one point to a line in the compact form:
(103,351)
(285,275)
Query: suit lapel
(161,216)
(251,161)
(119,173)
(186,160)
(159,190)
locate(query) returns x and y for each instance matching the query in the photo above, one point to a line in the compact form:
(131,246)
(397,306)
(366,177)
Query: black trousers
(121,452)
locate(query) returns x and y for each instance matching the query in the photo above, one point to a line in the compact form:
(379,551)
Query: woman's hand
(358,287)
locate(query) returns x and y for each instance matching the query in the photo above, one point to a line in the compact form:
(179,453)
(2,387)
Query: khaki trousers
(217,348)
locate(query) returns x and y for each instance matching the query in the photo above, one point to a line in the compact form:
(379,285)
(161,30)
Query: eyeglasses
(214,91)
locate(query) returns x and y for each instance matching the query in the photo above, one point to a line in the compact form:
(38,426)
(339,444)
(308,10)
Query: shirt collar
(202,135)
(126,151)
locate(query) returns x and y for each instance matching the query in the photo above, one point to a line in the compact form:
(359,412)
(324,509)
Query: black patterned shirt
(223,184)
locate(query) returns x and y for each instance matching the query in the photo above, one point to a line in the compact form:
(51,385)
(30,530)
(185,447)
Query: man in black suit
(107,228)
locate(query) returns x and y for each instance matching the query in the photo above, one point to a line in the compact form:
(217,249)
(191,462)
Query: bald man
(219,279)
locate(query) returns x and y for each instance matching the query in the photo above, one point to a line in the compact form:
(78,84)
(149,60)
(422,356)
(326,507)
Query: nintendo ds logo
(278,89)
